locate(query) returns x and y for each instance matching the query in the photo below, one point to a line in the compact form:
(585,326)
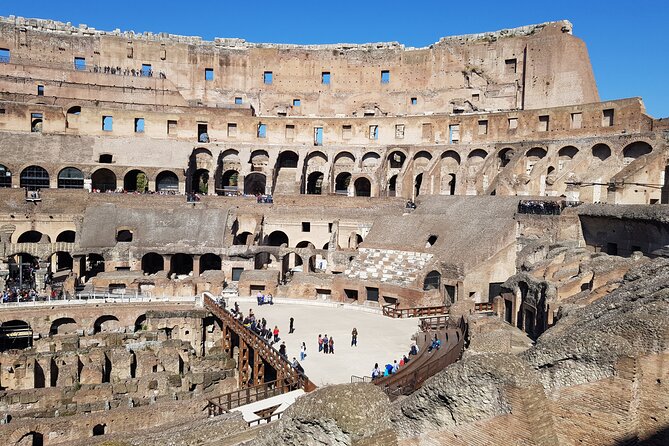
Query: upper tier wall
(531,67)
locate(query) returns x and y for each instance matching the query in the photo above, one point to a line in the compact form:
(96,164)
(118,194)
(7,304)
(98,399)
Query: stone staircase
(389,266)
(285,182)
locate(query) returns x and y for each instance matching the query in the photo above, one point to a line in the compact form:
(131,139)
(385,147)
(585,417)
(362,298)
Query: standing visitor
(354,337)
(331,345)
(275,332)
(303,351)
(325,344)
(291,329)
(320,343)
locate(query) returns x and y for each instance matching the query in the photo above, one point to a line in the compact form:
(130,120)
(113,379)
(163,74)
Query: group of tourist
(539,207)
(264,199)
(15,294)
(127,71)
(393,368)
(264,299)
(325,344)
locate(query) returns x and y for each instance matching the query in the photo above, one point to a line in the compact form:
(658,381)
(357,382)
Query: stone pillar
(258,369)
(40,273)
(243,364)
(79,264)
(167,263)
(211,185)
(152,185)
(227,341)
(196,266)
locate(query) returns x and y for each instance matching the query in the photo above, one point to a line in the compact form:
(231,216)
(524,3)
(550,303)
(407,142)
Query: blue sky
(627,40)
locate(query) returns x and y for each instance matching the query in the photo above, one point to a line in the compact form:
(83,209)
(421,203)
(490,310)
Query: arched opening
(70,178)
(243,238)
(396,159)
(370,160)
(254,184)
(31,439)
(451,184)
(421,160)
(15,335)
(72,117)
(298,258)
(342,182)
(452,156)
(210,262)
(152,263)
(66,237)
(505,156)
(277,238)
(536,153)
(63,261)
(33,237)
(363,188)
(568,152)
(200,182)
(96,264)
(229,183)
(167,181)
(22,269)
(124,235)
(287,159)
(34,177)
(392,186)
(63,325)
(103,180)
(635,150)
(182,264)
(477,155)
(601,151)
(354,240)
(259,159)
(315,183)
(432,281)
(140,323)
(106,323)
(5,177)
(135,181)
(99,429)
(417,183)
(344,159)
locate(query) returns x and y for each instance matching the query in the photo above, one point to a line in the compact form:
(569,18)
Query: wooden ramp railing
(393,310)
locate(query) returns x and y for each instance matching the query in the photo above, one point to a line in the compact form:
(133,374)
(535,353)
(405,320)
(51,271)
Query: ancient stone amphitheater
(478,185)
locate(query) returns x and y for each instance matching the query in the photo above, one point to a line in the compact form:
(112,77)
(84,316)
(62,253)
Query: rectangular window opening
(543,123)
(171,127)
(325,78)
(346,131)
(237,274)
(576,120)
(427,130)
(40,90)
(202,133)
(290,131)
(414,101)
(107,123)
(80,63)
(36,120)
(232,129)
(329,228)
(4,55)
(510,66)
(139,125)
(238,101)
(399,131)
(454,133)
(513,123)
(483,127)
(607,118)
(476,97)
(385,77)
(372,294)
(146,70)
(296,102)
(374,132)
(208,74)
(351,294)
(318,136)
(262,130)
(268,77)
(306,226)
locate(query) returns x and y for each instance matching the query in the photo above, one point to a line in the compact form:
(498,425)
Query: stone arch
(63,262)
(277,238)
(140,323)
(5,176)
(70,178)
(182,264)
(567,152)
(26,437)
(362,187)
(63,325)
(287,159)
(505,156)
(259,159)
(33,237)
(152,263)
(34,177)
(355,240)
(315,183)
(99,429)
(396,159)
(451,155)
(392,186)
(448,183)
(243,238)
(103,180)
(418,182)
(135,181)
(477,155)
(536,153)
(316,158)
(200,181)
(210,262)
(229,182)
(106,323)
(636,150)
(601,151)
(432,281)
(370,160)
(255,183)
(15,334)
(167,181)
(344,158)
(342,182)
(67,236)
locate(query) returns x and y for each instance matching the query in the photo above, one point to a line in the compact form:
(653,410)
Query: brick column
(196,266)
(167,263)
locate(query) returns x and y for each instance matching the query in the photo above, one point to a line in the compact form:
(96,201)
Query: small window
(576,120)
(346,131)
(237,274)
(146,70)
(40,90)
(427,130)
(80,63)
(414,101)
(476,97)
(238,101)
(351,294)
(431,240)
(139,125)
(267,78)
(454,133)
(329,228)
(262,130)
(513,123)
(2,111)
(232,129)
(510,66)
(296,102)
(318,136)
(36,122)
(208,74)
(124,235)
(399,131)
(290,131)
(372,294)
(202,132)
(374,132)
(325,78)
(607,118)
(105,158)
(4,55)
(107,123)
(171,127)
(385,77)
(543,123)
(483,127)
(306,226)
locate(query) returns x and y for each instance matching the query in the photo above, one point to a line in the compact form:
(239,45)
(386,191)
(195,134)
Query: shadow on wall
(659,439)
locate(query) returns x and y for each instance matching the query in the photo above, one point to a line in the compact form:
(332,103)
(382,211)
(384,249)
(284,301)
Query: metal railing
(392,310)
(483,306)
(228,401)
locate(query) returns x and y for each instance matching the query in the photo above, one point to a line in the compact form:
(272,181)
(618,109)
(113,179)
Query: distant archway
(103,180)
(210,262)
(63,325)
(229,182)
(70,178)
(106,323)
(288,159)
(363,187)
(66,237)
(432,281)
(167,181)
(182,264)
(5,177)
(342,182)
(601,151)
(254,184)
(33,237)
(34,177)
(392,186)
(315,183)
(200,182)
(277,238)
(152,263)
(396,159)
(635,150)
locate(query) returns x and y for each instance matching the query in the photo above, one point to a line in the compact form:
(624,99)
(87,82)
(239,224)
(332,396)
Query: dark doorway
(508,311)
(103,180)
(152,263)
(315,183)
(363,188)
(254,184)
(417,184)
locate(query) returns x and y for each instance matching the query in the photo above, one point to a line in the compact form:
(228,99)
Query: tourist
(303,351)
(414,350)
(405,359)
(269,299)
(388,370)
(282,349)
(354,337)
(260,298)
(291,328)
(331,345)
(396,367)
(320,343)
(376,371)
(294,363)
(275,332)
(325,343)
